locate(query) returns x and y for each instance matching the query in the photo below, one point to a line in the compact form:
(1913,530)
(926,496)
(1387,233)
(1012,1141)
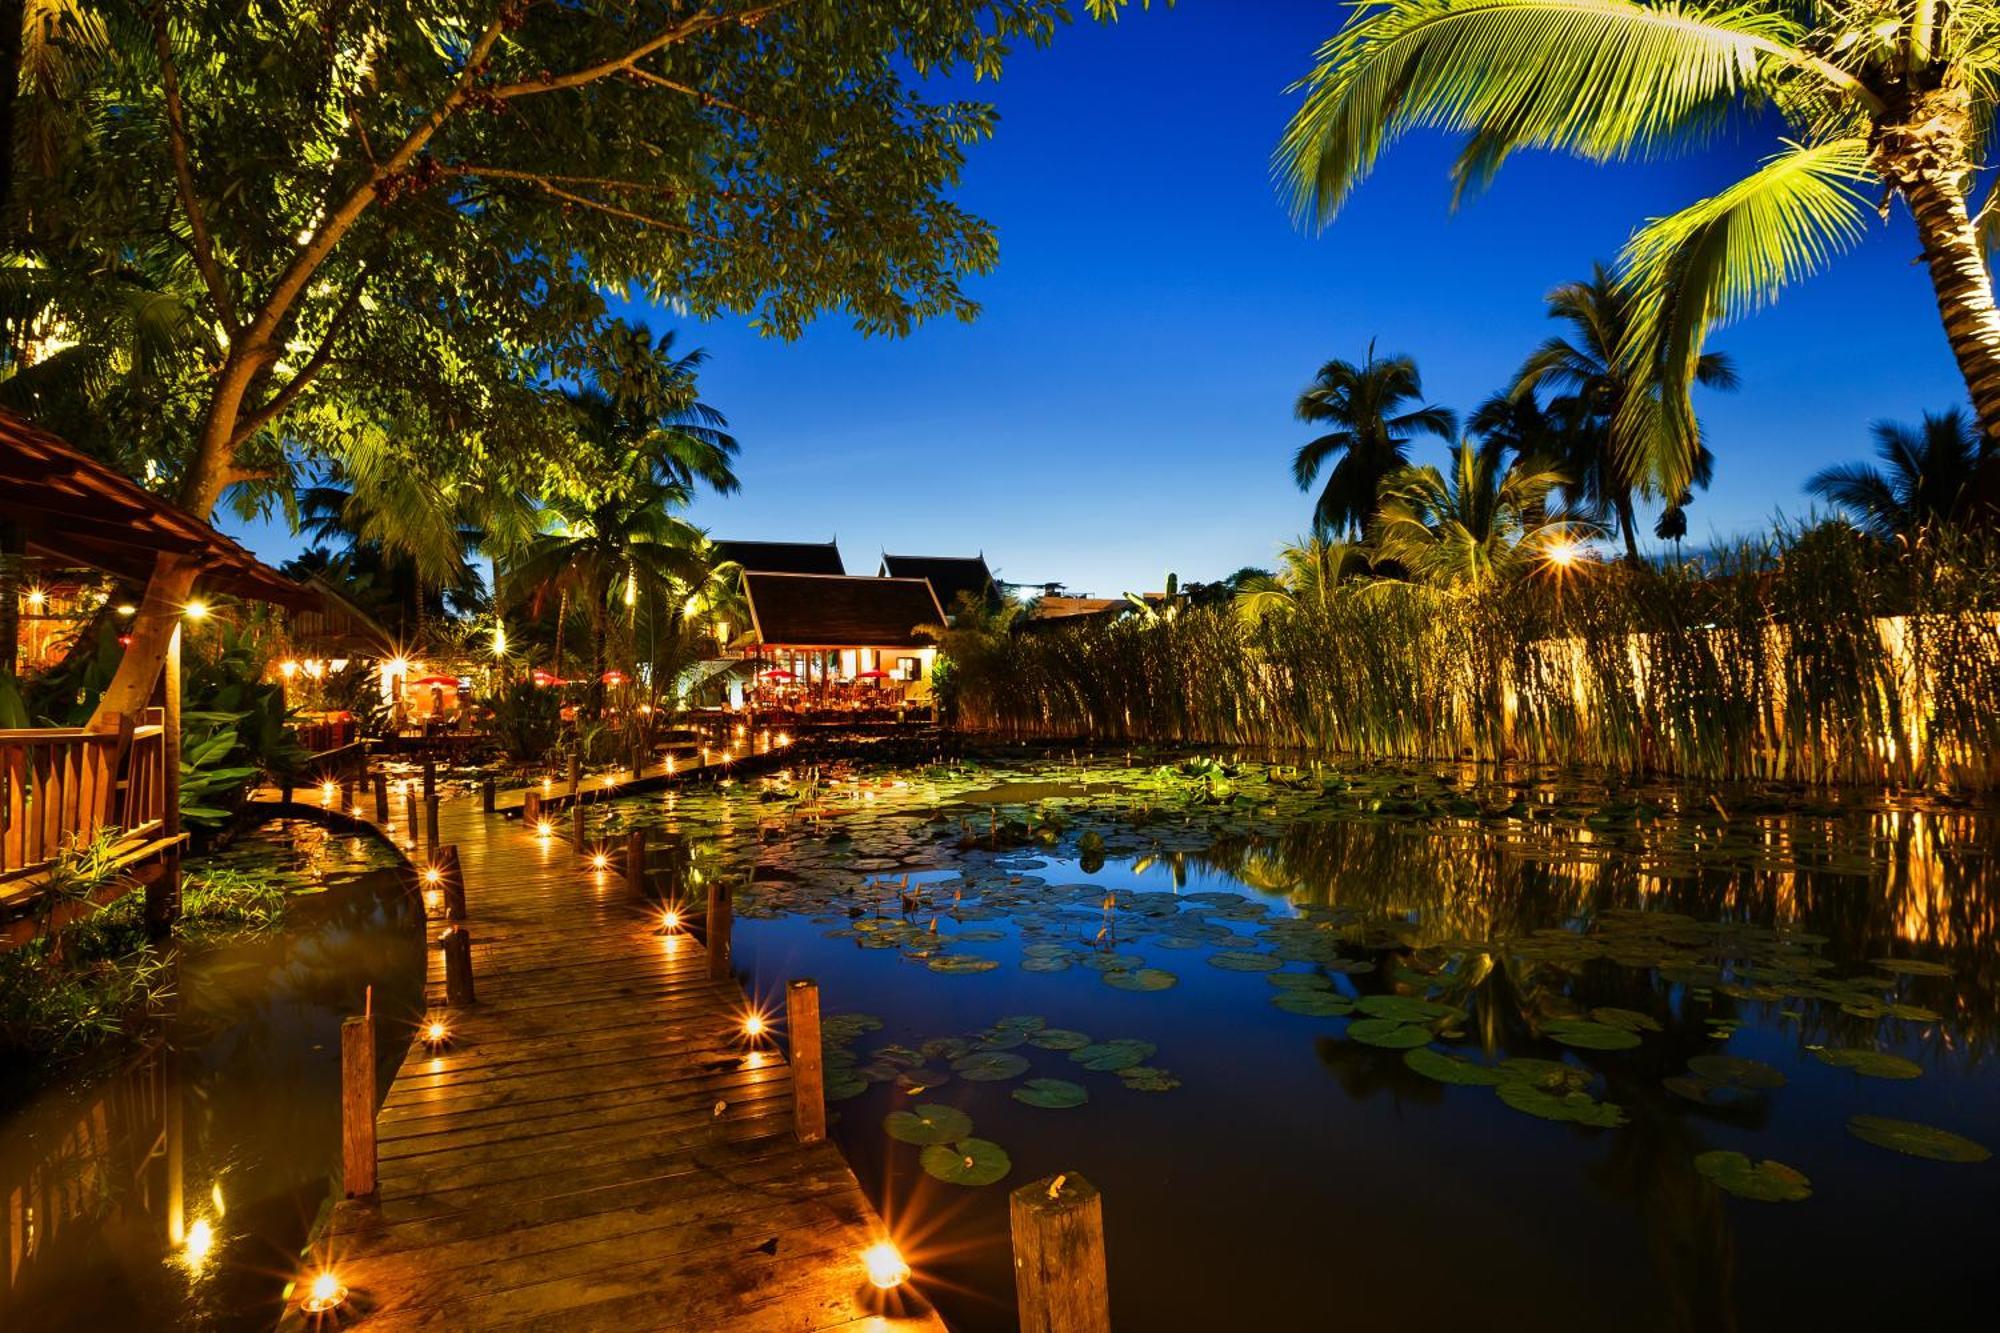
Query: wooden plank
(598,1148)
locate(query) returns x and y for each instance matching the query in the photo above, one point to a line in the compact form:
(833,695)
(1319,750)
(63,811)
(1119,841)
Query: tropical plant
(1483,523)
(405,212)
(1879,99)
(1594,399)
(527,719)
(1928,478)
(1376,410)
(1312,570)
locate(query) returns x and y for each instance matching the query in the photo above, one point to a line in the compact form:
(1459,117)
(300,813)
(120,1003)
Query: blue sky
(1122,407)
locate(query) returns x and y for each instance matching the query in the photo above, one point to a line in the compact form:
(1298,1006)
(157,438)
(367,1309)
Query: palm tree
(1312,569)
(627,540)
(1376,410)
(1880,98)
(1481,524)
(1592,394)
(1930,478)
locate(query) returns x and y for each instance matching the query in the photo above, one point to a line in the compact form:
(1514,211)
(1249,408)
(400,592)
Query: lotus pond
(1392,1043)
(230,1108)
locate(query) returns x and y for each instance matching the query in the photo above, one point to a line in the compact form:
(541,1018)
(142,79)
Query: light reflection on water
(171,1185)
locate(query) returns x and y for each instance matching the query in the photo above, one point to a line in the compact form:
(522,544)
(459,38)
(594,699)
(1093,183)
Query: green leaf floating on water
(843,1083)
(928,1124)
(1106,1056)
(1237,960)
(1735,1071)
(1388,1033)
(1906,1136)
(1145,1078)
(1589,1036)
(990,1066)
(967,1162)
(1024,1022)
(1577,1107)
(1405,1008)
(1629,1019)
(1872,1064)
(1051,1094)
(1912,967)
(1144,978)
(960,962)
(1451,1069)
(1715,1096)
(922,1080)
(1766,1181)
(1314,1003)
(1060,1039)
(1298,981)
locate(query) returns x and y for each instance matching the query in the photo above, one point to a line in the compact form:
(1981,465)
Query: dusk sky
(1122,406)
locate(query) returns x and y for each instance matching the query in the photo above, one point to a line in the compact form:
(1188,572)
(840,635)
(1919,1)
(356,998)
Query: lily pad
(1576,1106)
(843,1083)
(1051,1094)
(1146,1078)
(1715,1096)
(1298,981)
(1106,1056)
(1313,1003)
(928,1124)
(1144,978)
(1629,1019)
(990,1066)
(1766,1181)
(1060,1039)
(1405,1008)
(1912,967)
(1238,960)
(1736,1071)
(1586,1035)
(1907,1136)
(1388,1033)
(921,1079)
(1445,1068)
(961,962)
(1870,1064)
(967,1162)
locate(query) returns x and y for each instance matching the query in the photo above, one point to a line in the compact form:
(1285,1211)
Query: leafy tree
(1482,523)
(1593,396)
(1928,478)
(1311,571)
(1375,408)
(411,210)
(1880,99)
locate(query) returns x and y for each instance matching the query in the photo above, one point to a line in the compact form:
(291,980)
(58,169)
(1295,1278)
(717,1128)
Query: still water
(1391,1046)
(172,1185)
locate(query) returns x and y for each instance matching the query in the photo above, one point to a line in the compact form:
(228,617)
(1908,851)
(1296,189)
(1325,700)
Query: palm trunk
(1923,160)
(600,640)
(1626,521)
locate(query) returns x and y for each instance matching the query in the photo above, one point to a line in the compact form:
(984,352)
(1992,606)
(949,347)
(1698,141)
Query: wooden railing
(62,786)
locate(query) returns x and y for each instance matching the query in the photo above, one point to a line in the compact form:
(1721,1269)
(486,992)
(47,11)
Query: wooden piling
(635,862)
(808,1070)
(357,1105)
(381,798)
(720,913)
(430,780)
(575,772)
(486,796)
(410,813)
(347,796)
(431,822)
(1060,1284)
(531,808)
(451,878)
(576,828)
(458,968)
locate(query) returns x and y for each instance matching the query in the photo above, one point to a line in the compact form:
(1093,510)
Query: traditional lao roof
(839,611)
(949,575)
(784,557)
(75,512)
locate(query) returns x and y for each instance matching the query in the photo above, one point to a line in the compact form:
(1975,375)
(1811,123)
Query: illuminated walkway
(595,1150)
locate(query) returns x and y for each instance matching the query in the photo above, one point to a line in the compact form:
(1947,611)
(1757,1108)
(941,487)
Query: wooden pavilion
(839,644)
(62,510)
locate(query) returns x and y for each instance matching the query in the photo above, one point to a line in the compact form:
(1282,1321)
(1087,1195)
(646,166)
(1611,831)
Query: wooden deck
(596,1150)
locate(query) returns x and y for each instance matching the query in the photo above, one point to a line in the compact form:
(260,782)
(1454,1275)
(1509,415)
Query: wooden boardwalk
(596,1150)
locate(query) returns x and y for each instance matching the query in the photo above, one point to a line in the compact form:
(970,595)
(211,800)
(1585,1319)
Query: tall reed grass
(1817,657)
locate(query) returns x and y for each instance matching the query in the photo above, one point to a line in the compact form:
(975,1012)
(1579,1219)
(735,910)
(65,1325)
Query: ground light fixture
(200,1241)
(754,1026)
(887,1269)
(324,1294)
(432,875)
(598,860)
(435,1034)
(670,921)
(543,828)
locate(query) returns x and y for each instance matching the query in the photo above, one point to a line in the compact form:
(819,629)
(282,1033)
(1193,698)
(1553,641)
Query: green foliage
(1375,411)
(527,719)
(1482,524)
(1929,477)
(1886,669)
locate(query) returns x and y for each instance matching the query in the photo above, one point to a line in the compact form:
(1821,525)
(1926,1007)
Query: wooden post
(719,915)
(347,796)
(575,772)
(576,824)
(431,822)
(486,796)
(357,1105)
(410,812)
(1059,1273)
(381,798)
(458,967)
(531,808)
(163,892)
(451,880)
(430,780)
(638,762)
(808,1071)
(635,862)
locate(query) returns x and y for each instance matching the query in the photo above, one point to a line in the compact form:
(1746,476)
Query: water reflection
(173,1186)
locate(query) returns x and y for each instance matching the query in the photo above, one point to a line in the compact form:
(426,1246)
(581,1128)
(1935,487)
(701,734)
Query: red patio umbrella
(871,675)
(779,673)
(435,680)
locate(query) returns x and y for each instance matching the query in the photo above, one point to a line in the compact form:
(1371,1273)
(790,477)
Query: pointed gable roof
(949,575)
(838,611)
(784,557)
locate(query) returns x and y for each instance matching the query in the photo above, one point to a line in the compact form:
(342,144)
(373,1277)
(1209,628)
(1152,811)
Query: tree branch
(281,401)
(691,26)
(548,184)
(202,244)
(539,177)
(706,99)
